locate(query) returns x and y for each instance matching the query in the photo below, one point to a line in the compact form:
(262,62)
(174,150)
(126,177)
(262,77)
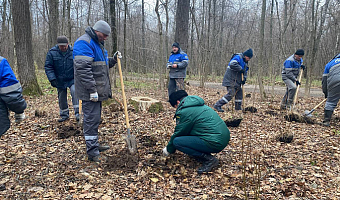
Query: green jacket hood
(190,101)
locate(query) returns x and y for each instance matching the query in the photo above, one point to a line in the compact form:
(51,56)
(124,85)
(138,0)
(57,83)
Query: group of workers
(199,131)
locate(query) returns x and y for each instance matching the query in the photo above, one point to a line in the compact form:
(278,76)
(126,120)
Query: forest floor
(43,159)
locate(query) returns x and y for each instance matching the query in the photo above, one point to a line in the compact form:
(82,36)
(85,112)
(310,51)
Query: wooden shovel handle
(243,95)
(319,104)
(123,93)
(297,88)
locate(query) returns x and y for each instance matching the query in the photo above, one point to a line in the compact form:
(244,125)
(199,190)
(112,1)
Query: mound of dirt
(270,112)
(68,131)
(122,161)
(285,137)
(148,141)
(298,118)
(233,122)
(251,109)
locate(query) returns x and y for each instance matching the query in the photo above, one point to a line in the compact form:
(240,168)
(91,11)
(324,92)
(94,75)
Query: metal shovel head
(131,142)
(307,113)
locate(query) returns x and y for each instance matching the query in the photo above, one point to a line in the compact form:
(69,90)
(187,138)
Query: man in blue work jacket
(10,96)
(177,63)
(290,73)
(92,82)
(331,87)
(238,66)
(60,73)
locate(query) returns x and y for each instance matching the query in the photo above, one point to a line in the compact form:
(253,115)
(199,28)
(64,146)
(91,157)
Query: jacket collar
(89,30)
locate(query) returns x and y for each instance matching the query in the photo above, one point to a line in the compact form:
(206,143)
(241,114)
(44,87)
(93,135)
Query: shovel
(297,90)
(243,94)
(308,113)
(130,139)
(80,122)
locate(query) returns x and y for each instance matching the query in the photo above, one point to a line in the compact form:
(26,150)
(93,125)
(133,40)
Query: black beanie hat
(62,40)
(248,53)
(175,44)
(300,52)
(177,96)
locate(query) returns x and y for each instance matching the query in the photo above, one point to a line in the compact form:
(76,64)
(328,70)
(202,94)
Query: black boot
(209,163)
(218,108)
(102,148)
(328,116)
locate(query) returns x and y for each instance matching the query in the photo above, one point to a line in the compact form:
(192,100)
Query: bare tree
(53,21)
(23,47)
(182,23)
(261,60)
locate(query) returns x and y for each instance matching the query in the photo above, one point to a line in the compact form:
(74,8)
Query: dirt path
(278,90)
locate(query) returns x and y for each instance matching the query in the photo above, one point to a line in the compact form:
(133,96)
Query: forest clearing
(41,158)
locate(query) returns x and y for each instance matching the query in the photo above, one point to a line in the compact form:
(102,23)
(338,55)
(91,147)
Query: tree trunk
(143,39)
(89,12)
(182,23)
(69,26)
(114,39)
(160,47)
(125,36)
(53,21)
(23,47)
(272,74)
(261,60)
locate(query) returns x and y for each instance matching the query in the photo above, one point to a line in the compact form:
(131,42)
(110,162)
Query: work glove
(298,83)
(54,83)
(242,71)
(117,54)
(94,97)
(325,93)
(303,67)
(19,117)
(165,152)
(244,81)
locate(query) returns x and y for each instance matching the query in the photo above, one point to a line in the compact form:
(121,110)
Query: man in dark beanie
(177,63)
(290,72)
(60,73)
(199,130)
(92,82)
(232,79)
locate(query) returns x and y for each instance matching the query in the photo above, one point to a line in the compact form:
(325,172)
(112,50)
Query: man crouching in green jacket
(199,130)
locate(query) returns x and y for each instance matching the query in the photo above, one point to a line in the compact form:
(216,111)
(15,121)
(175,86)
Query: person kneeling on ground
(199,130)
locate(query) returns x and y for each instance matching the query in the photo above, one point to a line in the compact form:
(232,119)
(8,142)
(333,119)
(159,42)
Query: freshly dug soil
(251,109)
(298,118)
(286,137)
(233,122)
(67,131)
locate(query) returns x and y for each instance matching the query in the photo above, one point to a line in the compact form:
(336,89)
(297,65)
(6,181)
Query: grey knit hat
(62,40)
(103,27)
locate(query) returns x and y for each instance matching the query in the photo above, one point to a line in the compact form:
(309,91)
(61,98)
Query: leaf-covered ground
(41,158)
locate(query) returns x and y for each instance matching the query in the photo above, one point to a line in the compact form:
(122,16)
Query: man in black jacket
(60,73)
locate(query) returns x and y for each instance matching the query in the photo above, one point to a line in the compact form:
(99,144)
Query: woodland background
(43,159)
(210,31)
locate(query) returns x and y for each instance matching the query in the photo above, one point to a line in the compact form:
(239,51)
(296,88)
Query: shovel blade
(131,143)
(308,113)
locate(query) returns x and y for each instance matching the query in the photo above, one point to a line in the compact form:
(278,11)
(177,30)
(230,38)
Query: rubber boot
(238,105)
(328,116)
(218,108)
(102,148)
(289,104)
(209,163)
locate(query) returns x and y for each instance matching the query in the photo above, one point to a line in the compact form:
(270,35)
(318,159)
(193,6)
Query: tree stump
(143,103)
